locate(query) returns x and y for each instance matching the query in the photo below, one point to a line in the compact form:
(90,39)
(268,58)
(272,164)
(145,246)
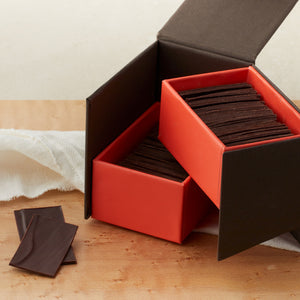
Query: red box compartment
(142,202)
(190,140)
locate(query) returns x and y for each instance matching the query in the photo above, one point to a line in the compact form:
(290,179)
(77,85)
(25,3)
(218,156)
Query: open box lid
(233,28)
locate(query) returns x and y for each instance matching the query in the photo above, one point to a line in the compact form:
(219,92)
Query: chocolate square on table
(44,245)
(23,218)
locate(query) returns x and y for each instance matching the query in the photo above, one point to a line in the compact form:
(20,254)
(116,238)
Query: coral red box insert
(192,142)
(142,202)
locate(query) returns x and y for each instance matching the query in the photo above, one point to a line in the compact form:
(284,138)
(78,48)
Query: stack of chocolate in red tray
(151,157)
(235,113)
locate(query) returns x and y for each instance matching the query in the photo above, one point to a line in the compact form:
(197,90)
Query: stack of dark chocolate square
(235,113)
(45,240)
(151,157)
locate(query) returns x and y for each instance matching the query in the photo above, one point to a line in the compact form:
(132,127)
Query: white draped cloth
(33,162)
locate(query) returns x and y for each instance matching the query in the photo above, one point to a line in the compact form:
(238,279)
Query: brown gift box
(203,36)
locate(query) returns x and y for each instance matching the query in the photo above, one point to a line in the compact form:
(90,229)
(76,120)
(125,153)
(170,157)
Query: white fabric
(33,162)
(285,241)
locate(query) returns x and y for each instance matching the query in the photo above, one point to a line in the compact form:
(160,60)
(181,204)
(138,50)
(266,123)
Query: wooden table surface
(115,263)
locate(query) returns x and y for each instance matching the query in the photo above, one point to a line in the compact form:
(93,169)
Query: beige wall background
(65,49)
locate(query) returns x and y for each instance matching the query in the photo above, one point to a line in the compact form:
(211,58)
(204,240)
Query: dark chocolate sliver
(258,139)
(245,91)
(252,135)
(207,90)
(216,102)
(161,165)
(23,217)
(221,100)
(160,156)
(156,167)
(240,122)
(138,166)
(44,245)
(232,107)
(247,126)
(151,157)
(262,130)
(230,119)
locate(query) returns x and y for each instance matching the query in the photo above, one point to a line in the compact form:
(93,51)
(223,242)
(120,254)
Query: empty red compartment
(142,202)
(190,140)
